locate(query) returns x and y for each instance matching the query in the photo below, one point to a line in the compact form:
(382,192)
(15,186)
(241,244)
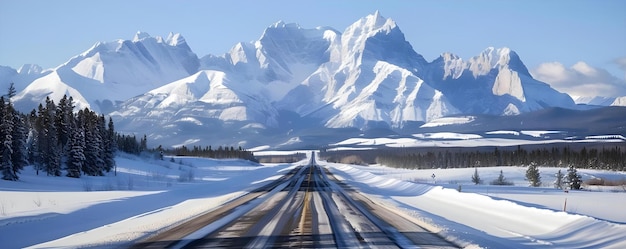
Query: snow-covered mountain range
(291,79)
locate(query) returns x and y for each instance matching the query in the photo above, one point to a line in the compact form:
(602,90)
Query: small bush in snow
(501,180)
(574,180)
(186,176)
(476,178)
(558,180)
(37,201)
(532,175)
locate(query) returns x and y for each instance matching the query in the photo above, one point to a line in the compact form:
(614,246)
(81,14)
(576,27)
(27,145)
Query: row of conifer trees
(53,138)
(609,157)
(220,153)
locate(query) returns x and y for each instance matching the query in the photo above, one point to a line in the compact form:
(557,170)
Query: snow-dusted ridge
(366,77)
(111,72)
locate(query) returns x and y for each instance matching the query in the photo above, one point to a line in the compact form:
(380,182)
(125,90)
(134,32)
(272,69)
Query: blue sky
(48,33)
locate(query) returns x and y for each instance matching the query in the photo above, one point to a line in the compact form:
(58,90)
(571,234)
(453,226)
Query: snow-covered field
(144,197)
(149,195)
(499,216)
(453,139)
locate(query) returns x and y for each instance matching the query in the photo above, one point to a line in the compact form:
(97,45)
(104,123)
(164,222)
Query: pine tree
(51,152)
(110,146)
(19,145)
(573,178)
(501,180)
(6,142)
(476,178)
(558,181)
(11,92)
(94,164)
(37,140)
(63,118)
(533,176)
(143,144)
(76,155)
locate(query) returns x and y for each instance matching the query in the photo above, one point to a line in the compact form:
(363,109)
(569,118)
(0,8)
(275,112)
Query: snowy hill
(110,72)
(495,82)
(146,196)
(20,77)
(367,77)
(291,79)
(619,101)
(370,80)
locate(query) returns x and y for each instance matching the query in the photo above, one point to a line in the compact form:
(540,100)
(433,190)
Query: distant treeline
(220,153)
(607,158)
(291,158)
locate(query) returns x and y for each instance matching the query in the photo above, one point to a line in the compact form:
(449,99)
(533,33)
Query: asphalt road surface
(307,208)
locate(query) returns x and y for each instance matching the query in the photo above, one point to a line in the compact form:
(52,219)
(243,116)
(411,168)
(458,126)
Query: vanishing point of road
(306,208)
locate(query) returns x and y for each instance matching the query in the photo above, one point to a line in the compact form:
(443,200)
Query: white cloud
(581,79)
(621,62)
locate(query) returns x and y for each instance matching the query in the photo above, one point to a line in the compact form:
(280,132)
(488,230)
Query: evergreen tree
(37,139)
(63,117)
(11,93)
(498,156)
(51,152)
(143,145)
(6,142)
(94,163)
(574,180)
(76,155)
(501,180)
(476,178)
(558,181)
(110,146)
(533,176)
(19,137)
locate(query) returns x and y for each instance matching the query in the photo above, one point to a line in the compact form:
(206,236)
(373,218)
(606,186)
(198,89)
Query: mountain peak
(175,39)
(140,36)
(30,69)
(282,24)
(496,58)
(376,21)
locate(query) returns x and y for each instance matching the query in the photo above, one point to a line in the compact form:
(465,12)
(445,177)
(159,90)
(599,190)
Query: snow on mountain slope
(53,86)
(598,100)
(494,82)
(370,79)
(206,94)
(202,108)
(369,76)
(394,96)
(282,58)
(110,72)
(619,101)
(20,77)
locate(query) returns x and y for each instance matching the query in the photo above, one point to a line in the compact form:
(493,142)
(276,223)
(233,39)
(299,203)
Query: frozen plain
(149,195)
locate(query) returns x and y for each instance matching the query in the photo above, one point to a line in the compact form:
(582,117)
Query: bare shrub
(186,176)
(87,186)
(37,201)
(3,209)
